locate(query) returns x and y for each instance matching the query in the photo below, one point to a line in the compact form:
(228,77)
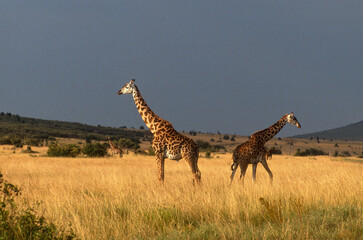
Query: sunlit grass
(105,198)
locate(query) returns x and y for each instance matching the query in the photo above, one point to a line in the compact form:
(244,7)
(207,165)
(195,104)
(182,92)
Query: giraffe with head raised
(114,148)
(167,142)
(253,151)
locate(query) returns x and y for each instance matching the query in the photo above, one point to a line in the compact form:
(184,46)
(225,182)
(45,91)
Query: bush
(275,151)
(33,141)
(193,133)
(23,222)
(345,154)
(94,150)
(225,137)
(11,140)
(310,152)
(64,150)
(205,146)
(133,144)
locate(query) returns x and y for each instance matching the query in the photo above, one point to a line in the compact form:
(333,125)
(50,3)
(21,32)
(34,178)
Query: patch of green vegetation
(310,152)
(23,221)
(207,147)
(63,150)
(17,130)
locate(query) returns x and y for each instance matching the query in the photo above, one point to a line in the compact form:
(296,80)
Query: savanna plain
(121,198)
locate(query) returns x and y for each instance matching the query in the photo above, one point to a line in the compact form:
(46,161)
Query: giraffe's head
(293,120)
(128,88)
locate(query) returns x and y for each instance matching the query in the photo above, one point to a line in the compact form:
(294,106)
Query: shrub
(310,152)
(193,133)
(345,154)
(132,144)
(11,140)
(275,151)
(94,150)
(23,222)
(33,141)
(64,150)
(225,137)
(206,146)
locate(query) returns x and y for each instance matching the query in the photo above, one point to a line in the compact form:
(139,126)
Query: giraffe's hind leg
(243,167)
(192,162)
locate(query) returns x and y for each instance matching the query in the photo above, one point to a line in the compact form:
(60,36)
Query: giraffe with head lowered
(253,151)
(114,148)
(167,142)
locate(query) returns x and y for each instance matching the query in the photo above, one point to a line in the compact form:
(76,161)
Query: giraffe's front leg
(160,165)
(265,165)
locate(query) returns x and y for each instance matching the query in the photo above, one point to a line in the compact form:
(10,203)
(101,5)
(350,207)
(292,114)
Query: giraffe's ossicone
(167,142)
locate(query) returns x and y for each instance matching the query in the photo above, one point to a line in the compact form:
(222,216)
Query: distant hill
(352,132)
(23,127)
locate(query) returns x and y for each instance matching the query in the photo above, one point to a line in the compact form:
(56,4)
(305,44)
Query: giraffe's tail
(233,166)
(235,163)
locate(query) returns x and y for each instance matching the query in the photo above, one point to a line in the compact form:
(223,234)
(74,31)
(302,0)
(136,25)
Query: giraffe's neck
(149,117)
(111,144)
(264,135)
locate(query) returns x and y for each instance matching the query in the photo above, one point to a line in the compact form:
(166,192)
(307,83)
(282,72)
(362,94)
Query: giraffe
(114,148)
(167,142)
(253,151)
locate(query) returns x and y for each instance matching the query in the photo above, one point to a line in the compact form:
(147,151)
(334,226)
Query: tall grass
(113,198)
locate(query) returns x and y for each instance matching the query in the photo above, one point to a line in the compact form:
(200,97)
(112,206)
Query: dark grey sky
(228,66)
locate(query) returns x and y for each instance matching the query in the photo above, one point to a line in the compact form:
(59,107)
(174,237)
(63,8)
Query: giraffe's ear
(292,114)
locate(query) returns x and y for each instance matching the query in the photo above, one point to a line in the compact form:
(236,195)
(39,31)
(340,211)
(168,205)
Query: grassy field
(113,198)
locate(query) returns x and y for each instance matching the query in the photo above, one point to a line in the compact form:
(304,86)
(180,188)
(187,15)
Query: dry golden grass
(113,198)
